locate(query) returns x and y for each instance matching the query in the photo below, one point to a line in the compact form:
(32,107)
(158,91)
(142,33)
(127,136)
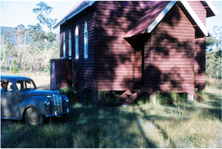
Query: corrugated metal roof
(155,8)
(80,6)
(156,13)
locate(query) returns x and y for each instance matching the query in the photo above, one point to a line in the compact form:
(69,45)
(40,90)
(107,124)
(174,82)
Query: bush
(171,98)
(87,97)
(142,100)
(107,98)
(15,69)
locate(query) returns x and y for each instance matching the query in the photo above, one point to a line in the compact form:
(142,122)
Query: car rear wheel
(33,117)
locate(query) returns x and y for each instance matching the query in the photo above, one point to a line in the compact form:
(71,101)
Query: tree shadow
(116,65)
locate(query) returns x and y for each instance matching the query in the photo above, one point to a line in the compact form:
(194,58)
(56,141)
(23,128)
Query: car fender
(36,101)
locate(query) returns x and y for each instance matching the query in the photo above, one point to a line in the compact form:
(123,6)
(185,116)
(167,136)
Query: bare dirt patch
(41,79)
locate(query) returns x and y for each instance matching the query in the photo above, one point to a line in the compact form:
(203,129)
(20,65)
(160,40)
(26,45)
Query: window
(7,86)
(25,85)
(85,41)
(70,44)
(64,45)
(77,42)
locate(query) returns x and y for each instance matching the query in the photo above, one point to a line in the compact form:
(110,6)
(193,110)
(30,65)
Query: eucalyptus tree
(214,53)
(20,33)
(44,28)
(37,47)
(9,49)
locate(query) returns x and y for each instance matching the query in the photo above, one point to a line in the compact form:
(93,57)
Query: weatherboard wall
(172,54)
(118,65)
(200,47)
(82,69)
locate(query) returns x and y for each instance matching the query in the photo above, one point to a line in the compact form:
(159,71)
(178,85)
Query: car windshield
(25,84)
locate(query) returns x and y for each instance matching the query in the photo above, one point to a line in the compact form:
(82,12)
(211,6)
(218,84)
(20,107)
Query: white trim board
(167,9)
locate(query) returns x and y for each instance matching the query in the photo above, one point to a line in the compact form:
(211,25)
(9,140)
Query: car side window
(7,86)
(26,84)
(19,85)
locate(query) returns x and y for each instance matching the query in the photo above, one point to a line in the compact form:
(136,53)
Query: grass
(141,125)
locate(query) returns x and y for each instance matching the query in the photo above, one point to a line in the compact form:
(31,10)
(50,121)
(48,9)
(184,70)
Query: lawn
(139,126)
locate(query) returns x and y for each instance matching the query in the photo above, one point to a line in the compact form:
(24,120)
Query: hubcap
(34,117)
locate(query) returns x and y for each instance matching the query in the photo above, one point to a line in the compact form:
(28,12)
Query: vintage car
(21,99)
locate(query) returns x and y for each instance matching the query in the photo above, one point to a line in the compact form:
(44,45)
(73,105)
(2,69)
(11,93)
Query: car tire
(33,117)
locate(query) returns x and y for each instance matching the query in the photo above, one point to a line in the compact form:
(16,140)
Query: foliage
(214,54)
(107,98)
(15,69)
(144,99)
(214,63)
(171,98)
(29,54)
(211,41)
(43,11)
(41,33)
(87,97)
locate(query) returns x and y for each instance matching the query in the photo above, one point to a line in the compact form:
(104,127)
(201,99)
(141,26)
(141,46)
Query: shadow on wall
(113,51)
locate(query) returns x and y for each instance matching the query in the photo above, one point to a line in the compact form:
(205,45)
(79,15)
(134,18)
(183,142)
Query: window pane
(7,86)
(29,84)
(70,44)
(85,41)
(64,45)
(77,42)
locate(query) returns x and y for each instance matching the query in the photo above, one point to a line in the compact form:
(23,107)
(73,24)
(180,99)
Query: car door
(9,101)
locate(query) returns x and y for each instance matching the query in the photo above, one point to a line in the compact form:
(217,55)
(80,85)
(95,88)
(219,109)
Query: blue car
(20,99)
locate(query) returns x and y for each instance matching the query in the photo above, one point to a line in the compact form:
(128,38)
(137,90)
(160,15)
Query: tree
(211,41)
(15,68)
(20,33)
(213,63)
(9,50)
(214,55)
(46,23)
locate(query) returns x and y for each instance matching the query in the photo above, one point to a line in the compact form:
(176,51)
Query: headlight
(66,99)
(47,102)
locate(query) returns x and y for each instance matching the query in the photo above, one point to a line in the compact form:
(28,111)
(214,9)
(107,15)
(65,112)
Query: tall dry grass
(189,125)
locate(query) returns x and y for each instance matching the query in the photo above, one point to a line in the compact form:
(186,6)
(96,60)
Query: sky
(14,13)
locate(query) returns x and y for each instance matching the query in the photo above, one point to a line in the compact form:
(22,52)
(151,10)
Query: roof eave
(160,16)
(189,10)
(211,10)
(195,17)
(80,8)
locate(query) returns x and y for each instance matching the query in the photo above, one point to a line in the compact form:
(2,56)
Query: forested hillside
(31,47)
(12,32)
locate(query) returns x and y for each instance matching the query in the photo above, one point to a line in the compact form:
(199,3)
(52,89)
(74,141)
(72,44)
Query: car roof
(13,78)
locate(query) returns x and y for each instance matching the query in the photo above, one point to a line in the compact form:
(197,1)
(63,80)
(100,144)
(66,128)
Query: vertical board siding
(172,54)
(118,65)
(82,69)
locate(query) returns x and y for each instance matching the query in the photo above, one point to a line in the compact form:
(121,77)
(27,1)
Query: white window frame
(64,44)
(77,42)
(85,41)
(70,44)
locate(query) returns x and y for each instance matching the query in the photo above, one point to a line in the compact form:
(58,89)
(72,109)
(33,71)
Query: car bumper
(57,114)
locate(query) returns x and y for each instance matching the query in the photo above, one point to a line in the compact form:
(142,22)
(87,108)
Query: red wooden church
(126,45)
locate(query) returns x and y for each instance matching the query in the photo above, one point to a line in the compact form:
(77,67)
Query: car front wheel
(33,117)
